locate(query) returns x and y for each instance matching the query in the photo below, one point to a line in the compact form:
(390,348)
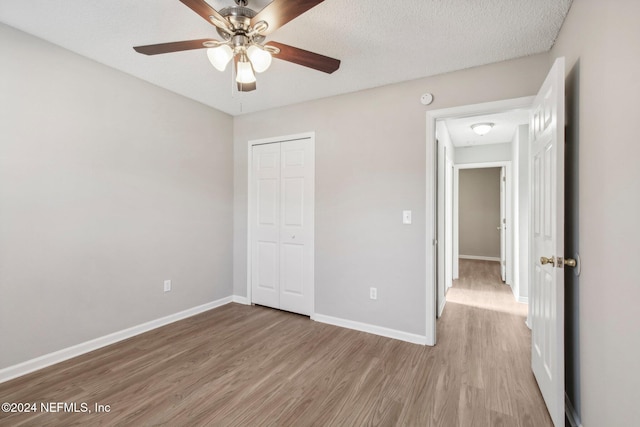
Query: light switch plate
(406,217)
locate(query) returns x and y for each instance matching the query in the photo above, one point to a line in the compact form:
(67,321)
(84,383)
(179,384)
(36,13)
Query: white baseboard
(572,416)
(32,365)
(241,300)
(523,300)
(372,329)
(480,258)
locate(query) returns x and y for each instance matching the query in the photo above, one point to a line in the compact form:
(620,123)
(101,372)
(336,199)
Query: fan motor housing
(240,19)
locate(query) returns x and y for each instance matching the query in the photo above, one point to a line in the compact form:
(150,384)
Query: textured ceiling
(378,41)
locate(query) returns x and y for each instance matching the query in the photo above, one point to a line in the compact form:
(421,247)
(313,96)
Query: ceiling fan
(243,32)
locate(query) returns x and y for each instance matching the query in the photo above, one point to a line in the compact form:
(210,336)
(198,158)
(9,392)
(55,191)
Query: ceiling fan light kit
(244,73)
(260,58)
(243,32)
(220,56)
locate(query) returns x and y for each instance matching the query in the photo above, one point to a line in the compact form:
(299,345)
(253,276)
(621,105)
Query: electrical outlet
(167,285)
(373,293)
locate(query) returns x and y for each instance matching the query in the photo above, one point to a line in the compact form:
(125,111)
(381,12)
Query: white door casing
(281,223)
(502,224)
(431,195)
(440,243)
(448,215)
(546,139)
(445,226)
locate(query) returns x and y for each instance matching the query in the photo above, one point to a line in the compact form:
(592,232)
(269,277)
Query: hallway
(487,345)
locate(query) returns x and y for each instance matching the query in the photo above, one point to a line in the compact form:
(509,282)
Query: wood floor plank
(253,366)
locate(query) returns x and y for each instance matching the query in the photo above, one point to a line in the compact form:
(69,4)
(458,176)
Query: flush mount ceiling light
(243,32)
(482,128)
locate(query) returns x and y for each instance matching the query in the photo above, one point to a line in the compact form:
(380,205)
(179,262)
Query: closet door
(265,222)
(296,230)
(282,221)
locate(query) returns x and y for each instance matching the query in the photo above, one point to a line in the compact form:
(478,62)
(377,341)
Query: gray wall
(479,214)
(370,165)
(600,42)
(108,186)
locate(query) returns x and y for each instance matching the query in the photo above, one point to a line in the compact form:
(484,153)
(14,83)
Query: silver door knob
(544,260)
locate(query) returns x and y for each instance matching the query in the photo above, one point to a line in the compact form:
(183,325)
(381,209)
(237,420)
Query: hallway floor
(488,348)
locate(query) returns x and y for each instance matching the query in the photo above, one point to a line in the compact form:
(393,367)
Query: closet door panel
(296,232)
(265,221)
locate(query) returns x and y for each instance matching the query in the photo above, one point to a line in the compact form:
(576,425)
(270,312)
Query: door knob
(571,262)
(544,260)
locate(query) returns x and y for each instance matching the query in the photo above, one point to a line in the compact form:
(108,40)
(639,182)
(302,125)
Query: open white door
(503,224)
(546,136)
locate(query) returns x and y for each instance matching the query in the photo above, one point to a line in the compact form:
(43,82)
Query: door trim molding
(479,258)
(272,140)
(509,214)
(431,193)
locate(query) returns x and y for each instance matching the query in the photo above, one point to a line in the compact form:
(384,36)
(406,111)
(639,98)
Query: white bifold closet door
(282,229)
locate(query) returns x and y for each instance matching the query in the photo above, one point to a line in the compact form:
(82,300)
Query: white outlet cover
(167,285)
(406,217)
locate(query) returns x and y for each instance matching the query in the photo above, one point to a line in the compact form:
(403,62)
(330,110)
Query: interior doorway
(441,151)
(542,153)
(481,215)
(481,220)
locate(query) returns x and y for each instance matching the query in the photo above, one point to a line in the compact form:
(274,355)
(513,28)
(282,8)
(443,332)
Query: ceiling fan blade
(279,12)
(203,9)
(304,57)
(155,49)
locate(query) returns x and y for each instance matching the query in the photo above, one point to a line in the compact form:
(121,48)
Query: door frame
(311,136)
(431,194)
(509,214)
(446,228)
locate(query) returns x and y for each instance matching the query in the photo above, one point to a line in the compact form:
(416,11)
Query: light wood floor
(252,366)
